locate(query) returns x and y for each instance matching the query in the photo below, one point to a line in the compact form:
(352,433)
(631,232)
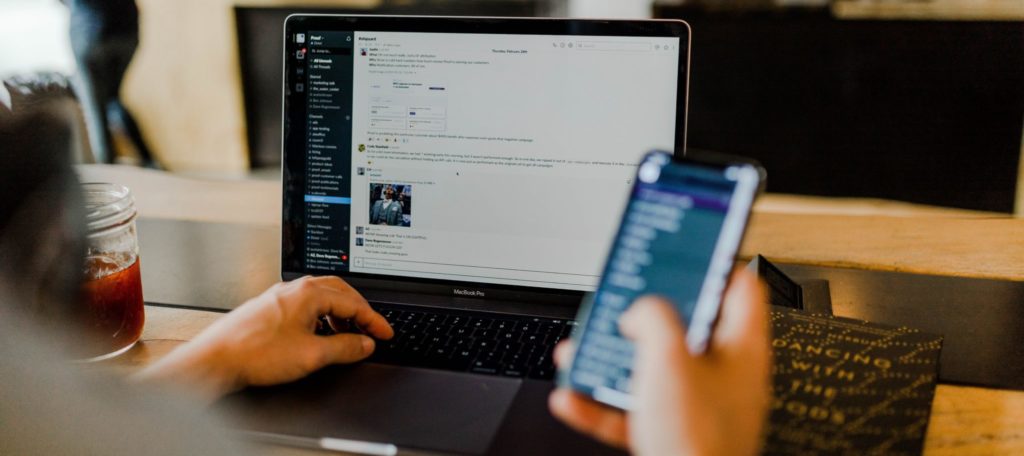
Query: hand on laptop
(270,339)
(686,404)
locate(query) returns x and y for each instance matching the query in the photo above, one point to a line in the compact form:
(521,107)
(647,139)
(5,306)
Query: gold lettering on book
(845,387)
(834,353)
(807,387)
(813,412)
(826,371)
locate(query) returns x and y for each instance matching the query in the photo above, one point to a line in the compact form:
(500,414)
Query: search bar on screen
(613,46)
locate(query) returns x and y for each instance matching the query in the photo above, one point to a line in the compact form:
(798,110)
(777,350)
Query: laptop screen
(484,158)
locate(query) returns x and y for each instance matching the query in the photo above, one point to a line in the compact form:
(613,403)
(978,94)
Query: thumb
(743,324)
(656,329)
(662,363)
(346,348)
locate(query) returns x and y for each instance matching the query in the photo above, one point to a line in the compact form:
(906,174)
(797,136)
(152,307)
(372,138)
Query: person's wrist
(205,369)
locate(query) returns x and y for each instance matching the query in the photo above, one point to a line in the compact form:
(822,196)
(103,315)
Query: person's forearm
(202,371)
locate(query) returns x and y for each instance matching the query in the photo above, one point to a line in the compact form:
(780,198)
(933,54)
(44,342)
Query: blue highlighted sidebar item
(328,199)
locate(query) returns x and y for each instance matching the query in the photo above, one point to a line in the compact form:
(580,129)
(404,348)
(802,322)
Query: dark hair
(41,211)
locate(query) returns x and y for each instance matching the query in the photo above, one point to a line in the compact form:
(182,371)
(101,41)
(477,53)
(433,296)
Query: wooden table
(868,234)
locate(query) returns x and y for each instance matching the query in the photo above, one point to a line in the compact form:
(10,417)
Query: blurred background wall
(185,86)
(915,100)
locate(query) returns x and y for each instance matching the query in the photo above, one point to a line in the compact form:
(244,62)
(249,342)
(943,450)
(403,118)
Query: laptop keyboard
(477,342)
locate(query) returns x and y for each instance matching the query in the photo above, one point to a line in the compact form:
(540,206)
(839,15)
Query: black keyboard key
(532,348)
(482,344)
(415,327)
(541,360)
(491,355)
(438,329)
(513,370)
(485,334)
(463,356)
(456,321)
(542,373)
(411,317)
(460,331)
(519,359)
(548,328)
(416,350)
(504,325)
(440,352)
(398,340)
(481,323)
(535,339)
(509,347)
(508,336)
(485,367)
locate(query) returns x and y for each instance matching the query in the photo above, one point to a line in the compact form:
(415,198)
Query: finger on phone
(563,352)
(744,318)
(654,326)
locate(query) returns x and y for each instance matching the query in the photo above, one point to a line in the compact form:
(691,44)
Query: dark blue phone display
(664,247)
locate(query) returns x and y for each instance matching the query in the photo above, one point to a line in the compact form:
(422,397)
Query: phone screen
(677,239)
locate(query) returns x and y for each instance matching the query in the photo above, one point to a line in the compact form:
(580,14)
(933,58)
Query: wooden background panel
(967,247)
(932,10)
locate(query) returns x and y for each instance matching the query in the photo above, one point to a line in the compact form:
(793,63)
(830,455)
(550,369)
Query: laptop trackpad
(411,408)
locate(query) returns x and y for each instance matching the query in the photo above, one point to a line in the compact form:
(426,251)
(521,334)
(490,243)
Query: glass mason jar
(112,311)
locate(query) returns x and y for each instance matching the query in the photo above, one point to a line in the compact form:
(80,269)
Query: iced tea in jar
(112,313)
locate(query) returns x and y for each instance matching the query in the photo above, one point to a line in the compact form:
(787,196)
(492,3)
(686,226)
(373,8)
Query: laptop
(466,175)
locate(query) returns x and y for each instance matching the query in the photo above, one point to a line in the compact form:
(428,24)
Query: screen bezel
(292,172)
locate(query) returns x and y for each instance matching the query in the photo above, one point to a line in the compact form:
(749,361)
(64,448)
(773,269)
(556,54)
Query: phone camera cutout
(649,172)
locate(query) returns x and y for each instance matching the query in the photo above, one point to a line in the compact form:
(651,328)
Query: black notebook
(844,386)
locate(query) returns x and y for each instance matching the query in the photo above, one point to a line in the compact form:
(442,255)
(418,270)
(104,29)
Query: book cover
(844,386)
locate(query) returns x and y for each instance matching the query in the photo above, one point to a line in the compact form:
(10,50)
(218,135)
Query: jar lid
(107,206)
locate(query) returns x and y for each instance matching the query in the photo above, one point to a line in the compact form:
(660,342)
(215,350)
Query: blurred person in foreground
(686,404)
(51,405)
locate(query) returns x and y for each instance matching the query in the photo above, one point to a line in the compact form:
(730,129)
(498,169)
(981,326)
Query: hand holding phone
(678,238)
(685,403)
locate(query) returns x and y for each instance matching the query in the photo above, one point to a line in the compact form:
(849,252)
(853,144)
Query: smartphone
(678,239)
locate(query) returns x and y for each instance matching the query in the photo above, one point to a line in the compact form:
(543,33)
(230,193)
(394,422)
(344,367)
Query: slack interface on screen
(489,158)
